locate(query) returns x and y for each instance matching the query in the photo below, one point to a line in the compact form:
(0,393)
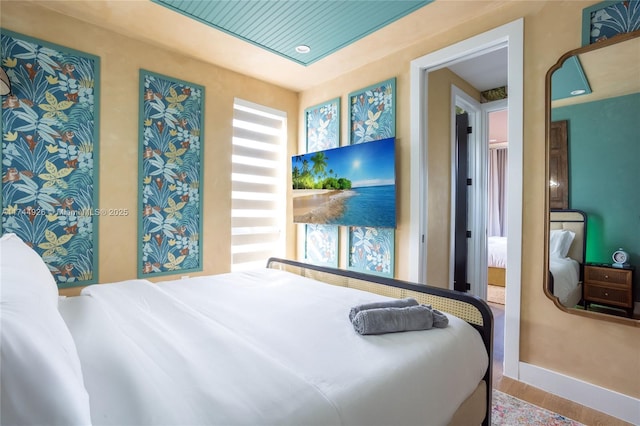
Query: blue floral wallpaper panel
(170,173)
(610,18)
(372,117)
(372,112)
(50,155)
(321,244)
(371,250)
(322,124)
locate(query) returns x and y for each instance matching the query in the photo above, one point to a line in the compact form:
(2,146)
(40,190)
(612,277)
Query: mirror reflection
(594,179)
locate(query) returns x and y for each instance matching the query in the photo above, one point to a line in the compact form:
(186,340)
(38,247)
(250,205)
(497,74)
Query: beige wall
(602,353)
(121,59)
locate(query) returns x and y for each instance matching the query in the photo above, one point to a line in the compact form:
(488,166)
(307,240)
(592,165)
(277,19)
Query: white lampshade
(5,84)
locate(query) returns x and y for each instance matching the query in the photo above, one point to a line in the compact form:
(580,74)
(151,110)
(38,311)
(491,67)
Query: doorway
(496,115)
(511,36)
(479,193)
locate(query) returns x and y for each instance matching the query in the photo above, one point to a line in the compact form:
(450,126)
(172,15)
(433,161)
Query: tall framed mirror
(592,250)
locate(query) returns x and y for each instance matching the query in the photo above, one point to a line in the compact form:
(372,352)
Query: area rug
(511,411)
(495,294)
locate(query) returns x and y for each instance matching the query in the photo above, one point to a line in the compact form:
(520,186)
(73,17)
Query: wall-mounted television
(353,185)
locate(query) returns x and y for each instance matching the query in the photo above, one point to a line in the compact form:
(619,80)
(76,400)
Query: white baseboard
(601,399)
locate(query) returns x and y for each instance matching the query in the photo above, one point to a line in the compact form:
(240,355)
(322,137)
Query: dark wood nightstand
(606,285)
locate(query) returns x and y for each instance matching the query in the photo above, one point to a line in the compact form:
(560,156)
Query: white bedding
(566,280)
(256,348)
(497,252)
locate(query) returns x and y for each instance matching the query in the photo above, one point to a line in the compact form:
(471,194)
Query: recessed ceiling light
(578,92)
(303,48)
(493,140)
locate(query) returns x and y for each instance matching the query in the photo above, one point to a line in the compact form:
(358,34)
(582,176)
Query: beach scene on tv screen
(352,185)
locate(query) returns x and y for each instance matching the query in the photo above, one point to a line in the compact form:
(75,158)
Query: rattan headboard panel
(575,221)
(459,308)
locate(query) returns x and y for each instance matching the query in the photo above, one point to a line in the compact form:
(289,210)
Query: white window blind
(258,185)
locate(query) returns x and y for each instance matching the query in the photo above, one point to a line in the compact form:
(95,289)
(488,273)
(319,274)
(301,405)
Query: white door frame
(511,35)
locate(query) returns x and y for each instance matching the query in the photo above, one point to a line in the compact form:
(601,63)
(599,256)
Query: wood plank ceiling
(279,26)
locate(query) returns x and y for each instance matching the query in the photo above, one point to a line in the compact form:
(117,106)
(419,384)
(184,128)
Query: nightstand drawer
(608,275)
(610,295)
(606,285)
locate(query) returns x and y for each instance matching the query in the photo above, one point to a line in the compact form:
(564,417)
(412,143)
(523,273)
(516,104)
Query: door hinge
(468,286)
(468,234)
(469,130)
(469,181)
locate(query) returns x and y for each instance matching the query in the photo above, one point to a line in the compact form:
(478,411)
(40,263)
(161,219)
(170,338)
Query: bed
(268,346)
(497,260)
(567,243)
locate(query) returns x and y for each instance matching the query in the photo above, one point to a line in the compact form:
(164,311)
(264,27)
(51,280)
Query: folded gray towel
(392,320)
(398,303)
(440,320)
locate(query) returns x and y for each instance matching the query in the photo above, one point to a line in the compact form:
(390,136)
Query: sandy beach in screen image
(318,205)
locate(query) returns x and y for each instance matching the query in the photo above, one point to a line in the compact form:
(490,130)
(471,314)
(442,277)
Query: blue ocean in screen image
(371,206)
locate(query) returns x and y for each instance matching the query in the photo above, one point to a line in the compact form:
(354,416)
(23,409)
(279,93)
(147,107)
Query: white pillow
(560,242)
(40,376)
(27,273)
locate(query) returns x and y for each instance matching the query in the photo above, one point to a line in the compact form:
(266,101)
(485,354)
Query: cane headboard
(575,221)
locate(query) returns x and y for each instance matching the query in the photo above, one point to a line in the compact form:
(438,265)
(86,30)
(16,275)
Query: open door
(462,233)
